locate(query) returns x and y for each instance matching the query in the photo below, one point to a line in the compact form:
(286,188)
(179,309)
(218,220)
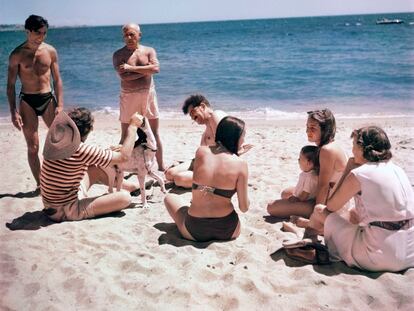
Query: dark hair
(374,142)
(326,121)
(195,101)
(228,133)
(311,153)
(83,120)
(35,22)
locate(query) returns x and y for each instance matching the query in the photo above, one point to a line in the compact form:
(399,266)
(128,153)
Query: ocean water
(270,68)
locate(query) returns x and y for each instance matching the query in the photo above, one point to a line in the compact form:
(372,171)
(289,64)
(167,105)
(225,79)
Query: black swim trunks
(38,102)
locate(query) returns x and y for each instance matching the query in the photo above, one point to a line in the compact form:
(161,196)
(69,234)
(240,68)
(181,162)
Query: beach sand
(136,259)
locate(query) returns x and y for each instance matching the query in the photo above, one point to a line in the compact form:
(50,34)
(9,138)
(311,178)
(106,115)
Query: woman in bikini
(218,174)
(320,129)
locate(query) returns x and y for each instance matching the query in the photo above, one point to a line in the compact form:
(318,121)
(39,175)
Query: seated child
(308,180)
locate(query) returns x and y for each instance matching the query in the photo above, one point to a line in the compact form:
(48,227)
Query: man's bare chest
(138,58)
(37,63)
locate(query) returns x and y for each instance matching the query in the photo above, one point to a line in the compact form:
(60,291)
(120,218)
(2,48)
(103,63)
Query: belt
(393,225)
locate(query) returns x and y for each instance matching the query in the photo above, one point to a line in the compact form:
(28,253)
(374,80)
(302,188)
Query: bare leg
(184,179)
(130,186)
(180,175)
(108,203)
(154,123)
(174,170)
(177,210)
(30,131)
(289,227)
(124,130)
(284,208)
(158,178)
(49,114)
(316,224)
(301,222)
(236,232)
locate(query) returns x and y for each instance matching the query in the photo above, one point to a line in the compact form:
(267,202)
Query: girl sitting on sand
(307,184)
(218,174)
(381,235)
(320,128)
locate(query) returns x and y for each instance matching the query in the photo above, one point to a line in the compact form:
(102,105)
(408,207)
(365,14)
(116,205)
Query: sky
(118,12)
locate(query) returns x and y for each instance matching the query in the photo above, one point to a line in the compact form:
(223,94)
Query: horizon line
(212,21)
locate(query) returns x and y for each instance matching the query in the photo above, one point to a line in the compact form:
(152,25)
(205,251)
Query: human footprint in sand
(320,129)
(200,111)
(218,174)
(71,166)
(380,235)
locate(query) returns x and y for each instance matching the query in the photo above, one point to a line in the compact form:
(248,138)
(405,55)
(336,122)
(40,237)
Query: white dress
(308,182)
(386,195)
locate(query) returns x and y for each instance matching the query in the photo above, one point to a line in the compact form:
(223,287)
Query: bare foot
(289,227)
(299,221)
(312,234)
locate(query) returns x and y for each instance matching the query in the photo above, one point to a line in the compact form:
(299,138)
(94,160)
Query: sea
(259,69)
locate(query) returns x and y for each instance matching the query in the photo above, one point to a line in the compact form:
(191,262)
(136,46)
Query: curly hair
(194,101)
(83,119)
(326,121)
(228,133)
(374,142)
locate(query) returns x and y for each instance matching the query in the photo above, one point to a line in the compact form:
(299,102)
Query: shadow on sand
(173,237)
(21,195)
(332,269)
(274,220)
(39,219)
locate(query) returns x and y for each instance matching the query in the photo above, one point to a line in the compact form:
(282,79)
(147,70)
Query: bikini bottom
(206,229)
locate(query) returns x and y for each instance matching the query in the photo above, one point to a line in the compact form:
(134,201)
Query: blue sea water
(271,68)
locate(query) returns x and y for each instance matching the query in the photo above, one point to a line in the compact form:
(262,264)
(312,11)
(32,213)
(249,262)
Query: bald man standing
(135,65)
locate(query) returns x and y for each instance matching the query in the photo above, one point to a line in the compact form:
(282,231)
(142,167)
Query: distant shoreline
(394,14)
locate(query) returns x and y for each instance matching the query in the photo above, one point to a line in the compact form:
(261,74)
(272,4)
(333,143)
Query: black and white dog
(142,162)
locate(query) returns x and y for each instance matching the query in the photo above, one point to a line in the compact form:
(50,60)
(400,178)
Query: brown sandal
(313,253)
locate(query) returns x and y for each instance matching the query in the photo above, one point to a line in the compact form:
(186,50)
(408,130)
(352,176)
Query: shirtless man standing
(200,111)
(34,62)
(135,65)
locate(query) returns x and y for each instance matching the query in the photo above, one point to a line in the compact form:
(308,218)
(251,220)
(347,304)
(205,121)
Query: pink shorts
(81,208)
(145,103)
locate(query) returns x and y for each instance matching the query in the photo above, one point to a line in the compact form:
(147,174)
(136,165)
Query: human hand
(244,148)
(124,68)
(136,120)
(17,120)
(320,208)
(58,110)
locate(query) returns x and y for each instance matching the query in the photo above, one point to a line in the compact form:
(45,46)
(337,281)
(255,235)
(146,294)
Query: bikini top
(221,192)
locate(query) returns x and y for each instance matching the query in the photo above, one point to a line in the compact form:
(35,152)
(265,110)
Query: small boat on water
(386,21)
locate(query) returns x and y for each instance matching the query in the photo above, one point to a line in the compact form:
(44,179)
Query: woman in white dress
(380,236)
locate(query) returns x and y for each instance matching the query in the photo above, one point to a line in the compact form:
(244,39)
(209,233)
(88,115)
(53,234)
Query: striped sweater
(60,179)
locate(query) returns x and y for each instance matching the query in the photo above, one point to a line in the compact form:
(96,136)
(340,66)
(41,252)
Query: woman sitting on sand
(320,128)
(218,174)
(381,235)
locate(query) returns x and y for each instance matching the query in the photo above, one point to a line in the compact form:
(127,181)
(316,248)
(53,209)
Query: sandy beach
(136,259)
